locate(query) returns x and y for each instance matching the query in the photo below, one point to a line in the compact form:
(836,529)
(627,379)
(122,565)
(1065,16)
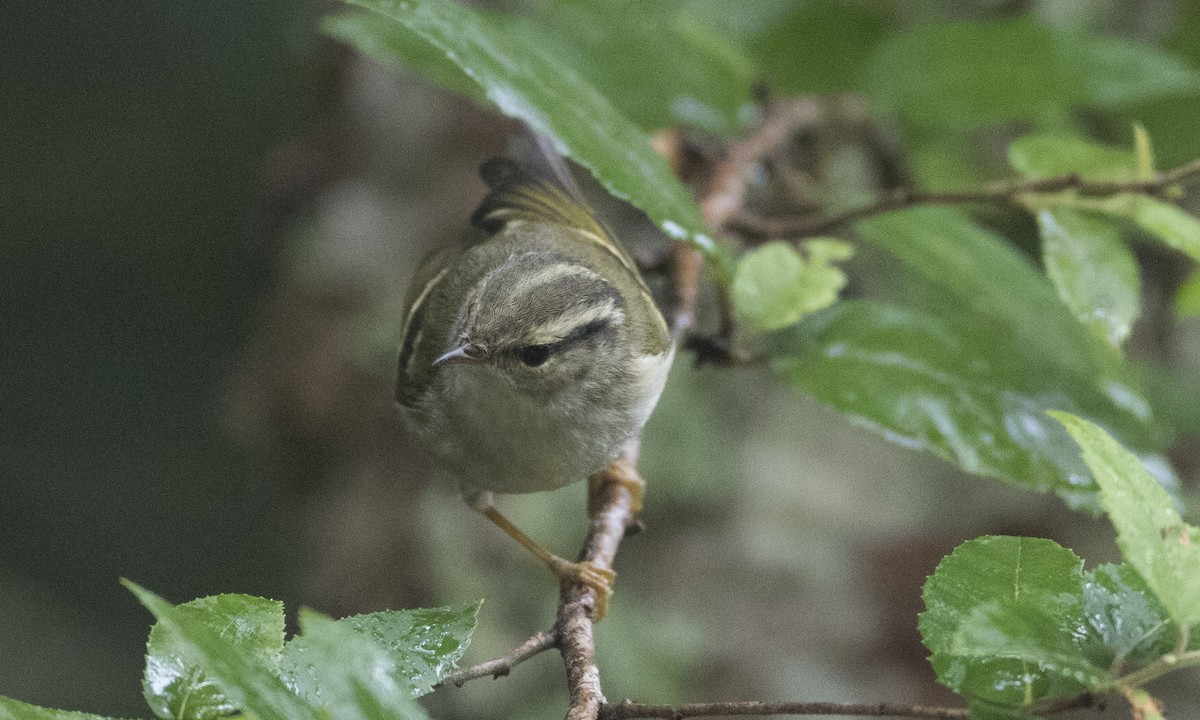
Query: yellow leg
(621,472)
(588,573)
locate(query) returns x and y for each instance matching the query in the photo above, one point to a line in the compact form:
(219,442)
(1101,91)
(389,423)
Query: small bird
(533,353)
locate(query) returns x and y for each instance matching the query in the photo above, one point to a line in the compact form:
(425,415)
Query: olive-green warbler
(533,352)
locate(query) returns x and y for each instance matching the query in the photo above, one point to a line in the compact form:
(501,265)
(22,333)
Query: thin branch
(727,192)
(615,503)
(504,664)
(752,226)
(631,709)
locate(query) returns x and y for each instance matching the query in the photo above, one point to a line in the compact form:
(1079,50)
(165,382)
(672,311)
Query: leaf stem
(1165,664)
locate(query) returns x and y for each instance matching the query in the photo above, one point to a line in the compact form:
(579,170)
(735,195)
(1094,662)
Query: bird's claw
(588,573)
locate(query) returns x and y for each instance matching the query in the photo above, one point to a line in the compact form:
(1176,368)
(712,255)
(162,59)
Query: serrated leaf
(346,673)
(1124,617)
(774,286)
(1094,272)
(530,83)
(175,687)
(1152,536)
(1042,156)
(240,676)
(961,76)
(423,646)
(991,568)
(1187,298)
(999,620)
(16,710)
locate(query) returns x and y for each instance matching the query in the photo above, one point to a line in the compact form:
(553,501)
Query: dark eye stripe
(575,337)
(585,331)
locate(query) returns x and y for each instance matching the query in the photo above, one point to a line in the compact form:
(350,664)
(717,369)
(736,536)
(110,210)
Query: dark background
(132,140)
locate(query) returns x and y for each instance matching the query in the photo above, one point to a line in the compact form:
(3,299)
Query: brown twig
(616,504)
(631,709)
(504,664)
(753,226)
(727,191)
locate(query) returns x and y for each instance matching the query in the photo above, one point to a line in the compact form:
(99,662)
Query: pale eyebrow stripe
(406,347)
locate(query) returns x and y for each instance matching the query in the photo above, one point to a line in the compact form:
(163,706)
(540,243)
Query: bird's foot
(599,579)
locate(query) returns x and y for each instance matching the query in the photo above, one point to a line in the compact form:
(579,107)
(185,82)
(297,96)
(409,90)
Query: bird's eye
(534,355)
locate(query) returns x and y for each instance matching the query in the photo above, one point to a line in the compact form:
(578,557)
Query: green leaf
(961,76)
(1166,222)
(1187,298)
(987,711)
(423,646)
(346,673)
(174,685)
(529,82)
(389,42)
(649,60)
(1150,532)
(1000,621)
(966,394)
(16,710)
(1034,635)
(1043,156)
(1127,622)
(240,676)
(1094,272)
(774,286)
(818,47)
(970,376)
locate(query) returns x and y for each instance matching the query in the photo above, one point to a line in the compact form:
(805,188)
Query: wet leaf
(346,673)
(422,646)
(1127,621)
(242,677)
(988,711)
(966,394)
(16,710)
(970,373)
(1152,536)
(1000,618)
(1094,272)
(649,60)
(174,685)
(529,82)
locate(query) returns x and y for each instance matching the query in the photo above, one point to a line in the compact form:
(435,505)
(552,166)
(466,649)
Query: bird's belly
(501,441)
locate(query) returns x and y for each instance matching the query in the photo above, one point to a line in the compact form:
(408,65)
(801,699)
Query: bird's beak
(467,354)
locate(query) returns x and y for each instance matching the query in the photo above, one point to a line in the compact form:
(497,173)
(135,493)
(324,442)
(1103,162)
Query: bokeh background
(209,213)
